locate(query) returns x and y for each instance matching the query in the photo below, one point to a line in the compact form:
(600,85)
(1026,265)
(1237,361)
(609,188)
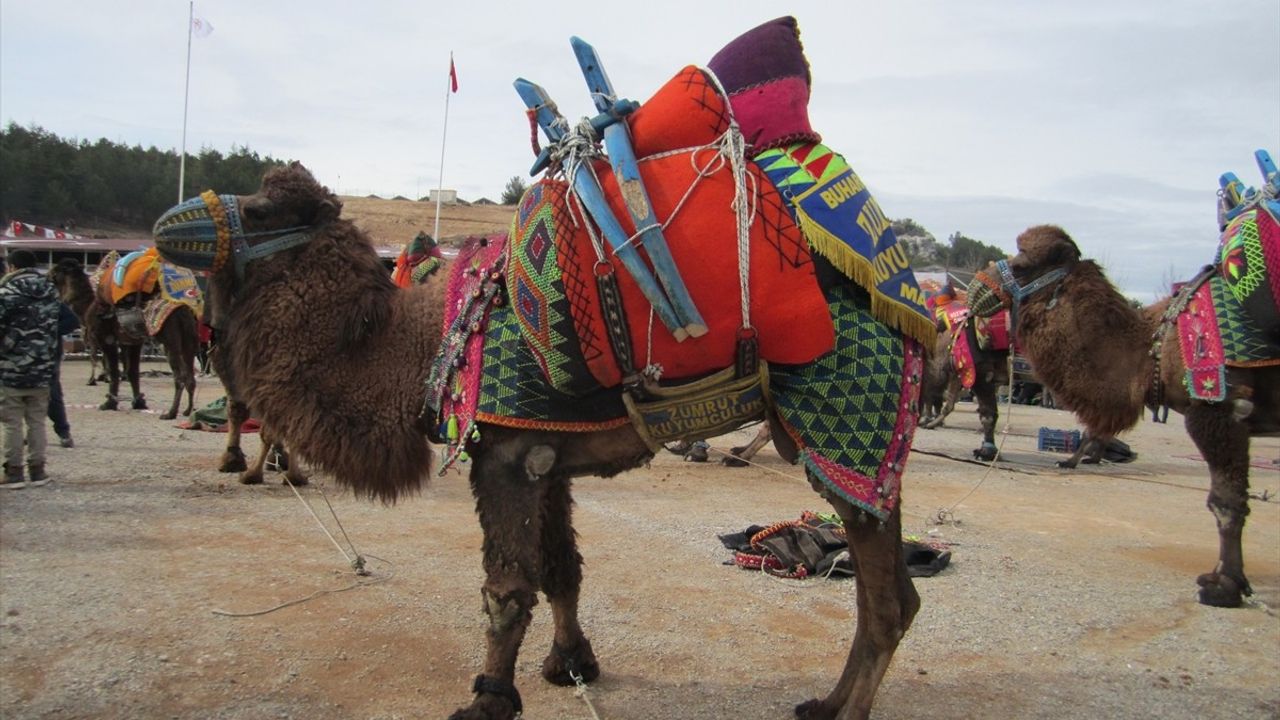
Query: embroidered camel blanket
(838,316)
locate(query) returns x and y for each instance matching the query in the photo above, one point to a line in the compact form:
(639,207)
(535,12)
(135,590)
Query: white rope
(581,691)
(945,515)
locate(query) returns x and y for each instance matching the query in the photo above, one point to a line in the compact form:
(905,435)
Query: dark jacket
(68,323)
(28,329)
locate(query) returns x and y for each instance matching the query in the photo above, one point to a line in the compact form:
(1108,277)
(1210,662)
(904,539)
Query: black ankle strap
(501,688)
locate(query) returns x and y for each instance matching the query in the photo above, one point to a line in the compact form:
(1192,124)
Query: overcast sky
(1112,119)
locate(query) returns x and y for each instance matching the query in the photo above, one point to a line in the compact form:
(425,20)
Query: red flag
(453,75)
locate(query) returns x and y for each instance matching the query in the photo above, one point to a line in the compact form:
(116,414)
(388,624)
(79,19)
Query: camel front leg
(1224,443)
(509,502)
(988,414)
(886,604)
(133,368)
(571,657)
(233,459)
(739,456)
(111,361)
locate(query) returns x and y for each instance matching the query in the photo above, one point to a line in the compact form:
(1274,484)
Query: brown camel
(76,291)
(121,340)
(329,351)
(1095,351)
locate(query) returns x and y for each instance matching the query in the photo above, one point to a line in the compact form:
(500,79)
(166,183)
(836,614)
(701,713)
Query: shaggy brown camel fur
(332,354)
(1094,351)
(74,288)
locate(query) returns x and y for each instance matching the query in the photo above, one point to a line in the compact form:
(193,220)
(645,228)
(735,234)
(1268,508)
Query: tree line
(62,182)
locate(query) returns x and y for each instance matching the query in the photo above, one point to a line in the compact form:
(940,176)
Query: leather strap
(493,686)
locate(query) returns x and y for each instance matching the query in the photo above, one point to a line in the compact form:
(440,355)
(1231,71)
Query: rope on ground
(358,583)
(357,562)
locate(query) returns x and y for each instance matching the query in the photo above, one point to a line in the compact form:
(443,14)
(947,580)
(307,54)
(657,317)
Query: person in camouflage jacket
(28,340)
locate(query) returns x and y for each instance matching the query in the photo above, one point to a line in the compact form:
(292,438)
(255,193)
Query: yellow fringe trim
(884,308)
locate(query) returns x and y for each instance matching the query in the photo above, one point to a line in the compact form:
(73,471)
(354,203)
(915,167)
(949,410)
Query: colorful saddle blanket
(1232,319)
(1249,262)
(851,412)
(527,342)
(177,288)
(1216,332)
(136,272)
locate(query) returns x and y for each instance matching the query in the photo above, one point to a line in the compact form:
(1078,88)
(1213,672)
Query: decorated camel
(77,292)
(1211,352)
(971,353)
(136,297)
(543,357)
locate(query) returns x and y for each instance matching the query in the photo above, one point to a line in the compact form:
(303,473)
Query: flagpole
(186,93)
(448,90)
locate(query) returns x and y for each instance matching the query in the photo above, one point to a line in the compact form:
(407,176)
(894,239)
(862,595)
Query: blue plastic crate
(1054,440)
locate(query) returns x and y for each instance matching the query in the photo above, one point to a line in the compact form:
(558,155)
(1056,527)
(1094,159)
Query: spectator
(67,324)
(28,336)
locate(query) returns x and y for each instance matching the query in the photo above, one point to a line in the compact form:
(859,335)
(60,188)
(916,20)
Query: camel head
(1045,255)
(64,273)
(214,232)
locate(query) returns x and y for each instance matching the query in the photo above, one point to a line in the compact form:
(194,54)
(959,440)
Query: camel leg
(111,361)
(571,655)
(93,362)
(1090,452)
(133,367)
(988,413)
(950,397)
(510,505)
(179,384)
(886,604)
(233,457)
(739,456)
(273,446)
(1224,443)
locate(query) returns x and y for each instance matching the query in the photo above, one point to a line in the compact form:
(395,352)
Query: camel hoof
(813,710)
(733,460)
(1218,590)
(486,707)
(986,454)
(296,480)
(168,415)
(233,461)
(561,665)
(251,479)
(109,404)
(92,381)
(139,403)
(1066,465)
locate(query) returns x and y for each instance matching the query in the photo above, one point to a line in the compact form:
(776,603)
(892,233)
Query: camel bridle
(245,247)
(1019,293)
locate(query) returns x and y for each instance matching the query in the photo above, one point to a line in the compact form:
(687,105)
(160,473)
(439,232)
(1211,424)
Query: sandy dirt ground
(1070,594)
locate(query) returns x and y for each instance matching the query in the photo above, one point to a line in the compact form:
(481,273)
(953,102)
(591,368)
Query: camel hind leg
(1224,443)
(571,657)
(887,602)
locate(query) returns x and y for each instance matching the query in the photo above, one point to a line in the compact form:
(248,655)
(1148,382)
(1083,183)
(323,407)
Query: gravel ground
(1070,594)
